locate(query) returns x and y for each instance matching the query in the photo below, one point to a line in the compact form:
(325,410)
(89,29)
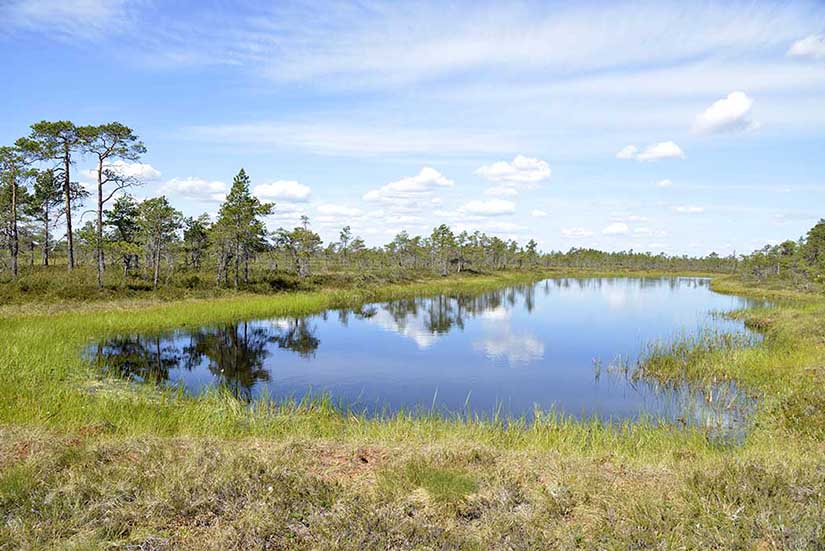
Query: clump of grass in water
(687,365)
(689,357)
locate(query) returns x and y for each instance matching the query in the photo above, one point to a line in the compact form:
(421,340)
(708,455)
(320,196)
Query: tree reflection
(143,359)
(235,355)
(297,335)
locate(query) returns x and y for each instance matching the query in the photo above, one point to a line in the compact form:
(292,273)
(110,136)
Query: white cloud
(624,217)
(688,209)
(576,232)
(408,193)
(429,41)
(627,152)
(666,183)
(196,188)
(501,191)
(730,114)
(75,19)
(663,150)
(653,152)
(286,215)
(406,219)
(142,172)
(492,207)
(616,228)
(501,227)
(339,210)
(411,326)
(283,190)
(365,138)
(515,348)
(812,46)
(538,213)
(523,170)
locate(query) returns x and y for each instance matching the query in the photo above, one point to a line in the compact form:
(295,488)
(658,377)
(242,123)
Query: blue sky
(682,127)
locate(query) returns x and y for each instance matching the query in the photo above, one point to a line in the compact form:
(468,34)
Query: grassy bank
(87,463)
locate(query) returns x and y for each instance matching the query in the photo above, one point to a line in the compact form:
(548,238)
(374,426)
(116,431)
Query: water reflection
(511,350)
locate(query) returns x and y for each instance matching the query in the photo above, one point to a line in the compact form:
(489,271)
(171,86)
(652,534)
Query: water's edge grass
(52,402)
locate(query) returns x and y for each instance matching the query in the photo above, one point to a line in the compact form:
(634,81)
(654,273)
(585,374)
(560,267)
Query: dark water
(559,344)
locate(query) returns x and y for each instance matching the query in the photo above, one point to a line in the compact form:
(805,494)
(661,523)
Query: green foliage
(45,208)
(813,251)
(799,264)
(196,240)
(158,224)
(302,244)
(239,232)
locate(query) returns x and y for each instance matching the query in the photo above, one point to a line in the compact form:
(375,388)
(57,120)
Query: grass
(90,463)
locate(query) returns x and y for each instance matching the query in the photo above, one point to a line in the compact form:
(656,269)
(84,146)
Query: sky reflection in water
(551,345)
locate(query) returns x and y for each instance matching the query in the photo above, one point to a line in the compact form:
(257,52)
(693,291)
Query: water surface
(558,344)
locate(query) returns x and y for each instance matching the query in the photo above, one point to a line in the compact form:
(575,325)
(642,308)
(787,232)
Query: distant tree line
(152,241)
(801,262)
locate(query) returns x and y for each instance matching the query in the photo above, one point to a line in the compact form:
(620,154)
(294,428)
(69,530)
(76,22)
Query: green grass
(90,463)
(442,484)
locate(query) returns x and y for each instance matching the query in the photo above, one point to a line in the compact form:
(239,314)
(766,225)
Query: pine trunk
(99,241)
(67,196)
(14,246)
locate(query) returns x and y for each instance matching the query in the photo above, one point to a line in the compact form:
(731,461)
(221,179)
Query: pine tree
(239,232)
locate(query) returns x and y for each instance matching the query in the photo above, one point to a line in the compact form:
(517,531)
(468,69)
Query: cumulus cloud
(142,172)
(538,213)
(812,46)
(625,217)
(653,152)
(616,228)
(286,214)
(515,348)
(688,209)
(501,191)
(521,169)
(576,232)
(339,210)
(663,150)
(730,114)
(492,207)
(196,188)
(627,152)
(408,193)
(283,190)
(501,227)
(666,183)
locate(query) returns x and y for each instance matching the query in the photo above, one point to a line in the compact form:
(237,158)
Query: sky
(677,127)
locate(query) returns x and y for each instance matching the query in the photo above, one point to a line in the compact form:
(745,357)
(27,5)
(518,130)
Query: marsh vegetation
(86,461)
(214,453)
